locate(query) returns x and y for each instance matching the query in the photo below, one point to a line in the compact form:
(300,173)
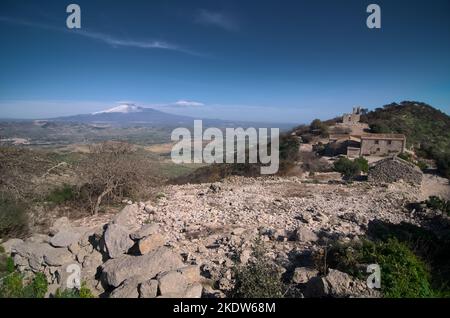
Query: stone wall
(394,169)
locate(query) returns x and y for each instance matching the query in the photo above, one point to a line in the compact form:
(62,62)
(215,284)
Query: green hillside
(427,129)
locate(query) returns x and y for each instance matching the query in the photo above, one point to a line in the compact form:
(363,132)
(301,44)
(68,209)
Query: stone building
(393,169)
(382,144)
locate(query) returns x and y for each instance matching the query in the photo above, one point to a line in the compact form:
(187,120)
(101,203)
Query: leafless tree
(113,170)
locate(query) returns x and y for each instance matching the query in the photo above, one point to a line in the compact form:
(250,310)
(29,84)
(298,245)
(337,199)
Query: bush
(13,219)
(258,279)
(12,286)
(319,128)
(363,164)
(349,169)
(61,195)
(82,292)
(403,274)
(436,203)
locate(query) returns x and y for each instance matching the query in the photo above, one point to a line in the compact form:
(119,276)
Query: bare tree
(111,171)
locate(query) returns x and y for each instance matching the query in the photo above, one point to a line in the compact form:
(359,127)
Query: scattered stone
(303,274)
(303,234)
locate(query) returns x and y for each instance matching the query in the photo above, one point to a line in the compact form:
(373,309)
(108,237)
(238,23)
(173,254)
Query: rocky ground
(186,243)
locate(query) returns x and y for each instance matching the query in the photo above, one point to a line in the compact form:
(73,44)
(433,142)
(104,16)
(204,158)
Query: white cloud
(102,37)
(218,19)
(185,103)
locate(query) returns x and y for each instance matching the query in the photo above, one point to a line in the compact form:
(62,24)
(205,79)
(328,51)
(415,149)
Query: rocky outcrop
(105,259)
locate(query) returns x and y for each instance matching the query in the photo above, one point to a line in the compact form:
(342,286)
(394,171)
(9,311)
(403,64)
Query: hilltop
(427,129)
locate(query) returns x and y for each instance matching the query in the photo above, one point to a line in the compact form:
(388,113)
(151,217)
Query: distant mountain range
(130,114)
(127,114)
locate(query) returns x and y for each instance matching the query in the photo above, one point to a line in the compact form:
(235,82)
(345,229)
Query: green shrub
(12,286)
(349,169)
(61,195)
(257,279)
(363,164)
(437,203)
(82,292)
(319,127)
(403,274)
(13,219)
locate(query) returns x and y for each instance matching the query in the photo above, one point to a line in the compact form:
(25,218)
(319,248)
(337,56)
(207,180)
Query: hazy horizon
(233,60)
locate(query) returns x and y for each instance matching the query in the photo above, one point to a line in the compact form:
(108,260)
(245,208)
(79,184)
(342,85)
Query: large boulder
(115,271)
(58,256)
(60,224)
(117,240)
(148,289)
(190,273)
(144,231)
(193,291)
(128,218)
(150,243)
(65,238)
(31,252)
(129,288)
(9,245)
(171,283)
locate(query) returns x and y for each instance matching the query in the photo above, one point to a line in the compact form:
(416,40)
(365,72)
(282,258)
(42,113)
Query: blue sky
(280,61)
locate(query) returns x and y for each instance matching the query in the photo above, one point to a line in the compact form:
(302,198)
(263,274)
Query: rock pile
(120,259)
(395,169)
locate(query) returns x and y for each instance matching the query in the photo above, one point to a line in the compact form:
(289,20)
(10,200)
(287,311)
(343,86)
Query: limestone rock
(146,230)
(9,245)
(150,243)
(303,274)
(57,256)
(305,235)
(172,282)
(65,238)
(193,291)
(127,218)
(190,273)
(148,289)
(129,289)
(60,224)
(115,271)
(117,240)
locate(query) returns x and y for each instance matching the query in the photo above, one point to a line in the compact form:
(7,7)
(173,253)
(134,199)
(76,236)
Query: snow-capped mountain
(128,114)
(123,108)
